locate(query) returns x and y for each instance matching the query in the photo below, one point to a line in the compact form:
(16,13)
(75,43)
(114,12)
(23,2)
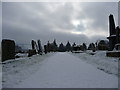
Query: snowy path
(63,70)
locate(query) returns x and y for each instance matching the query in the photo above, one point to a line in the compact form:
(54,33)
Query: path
(63,70)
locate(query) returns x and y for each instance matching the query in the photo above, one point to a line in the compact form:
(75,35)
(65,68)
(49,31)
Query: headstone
(8,49)
(45,49)
(33,44)
(31,52)
(39,47)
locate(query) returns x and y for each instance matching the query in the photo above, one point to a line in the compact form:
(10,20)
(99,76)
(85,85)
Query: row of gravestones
(36,48)
(8,49)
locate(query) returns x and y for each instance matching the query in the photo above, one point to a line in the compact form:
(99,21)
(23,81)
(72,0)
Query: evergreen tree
(48,47)
(68,46)
(84,47)
(55,45)
(61,48)
(91,47)
(73,45)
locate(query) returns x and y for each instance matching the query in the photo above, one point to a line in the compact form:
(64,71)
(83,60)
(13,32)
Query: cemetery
(103,55)
(62,44)
(112,47)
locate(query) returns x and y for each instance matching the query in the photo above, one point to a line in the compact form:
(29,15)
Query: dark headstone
(45,49)
(117,34)
(8,49)
(33,44)
(31,52)
(39,47)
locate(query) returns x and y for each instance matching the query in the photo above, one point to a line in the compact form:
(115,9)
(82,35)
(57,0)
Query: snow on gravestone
(8,49)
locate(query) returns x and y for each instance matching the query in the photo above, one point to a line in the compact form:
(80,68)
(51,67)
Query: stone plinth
(113,54)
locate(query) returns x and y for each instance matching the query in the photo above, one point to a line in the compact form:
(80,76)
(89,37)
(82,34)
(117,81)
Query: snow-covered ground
(61,70)
(15,71)
(0,76)
(0,72)
(100,61)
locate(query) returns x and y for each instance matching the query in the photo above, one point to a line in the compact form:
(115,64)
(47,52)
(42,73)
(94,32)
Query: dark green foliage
(18,49)
(73,45)
(68,46)
(8,49)
(76,48)
(84,47)
(91,47)
(61,48)
(55,48)
(52,47)
(102,45)
(49,47)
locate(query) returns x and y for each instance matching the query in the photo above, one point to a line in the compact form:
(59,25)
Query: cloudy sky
(64,21)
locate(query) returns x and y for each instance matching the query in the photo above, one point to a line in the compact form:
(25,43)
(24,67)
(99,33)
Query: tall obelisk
(111,25)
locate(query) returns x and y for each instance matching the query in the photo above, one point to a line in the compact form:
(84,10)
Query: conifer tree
(68,46)
(61,47)
(84,47)
(55,45)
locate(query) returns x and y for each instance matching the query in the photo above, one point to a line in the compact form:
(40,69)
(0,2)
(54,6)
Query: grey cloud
(99,13)
(80,27)
(26,21)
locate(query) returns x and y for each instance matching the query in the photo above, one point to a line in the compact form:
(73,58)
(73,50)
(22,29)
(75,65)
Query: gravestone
(8,49)
(39,47)
(45,49)
(31,52)
(33,44)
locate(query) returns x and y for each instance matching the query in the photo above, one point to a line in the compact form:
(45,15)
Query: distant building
(114,38)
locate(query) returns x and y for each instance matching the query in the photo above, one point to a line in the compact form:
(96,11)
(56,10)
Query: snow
(0,76)
(100,61)
(0,72)
(63,70)
(113,35)
(22,54)
(15,71)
